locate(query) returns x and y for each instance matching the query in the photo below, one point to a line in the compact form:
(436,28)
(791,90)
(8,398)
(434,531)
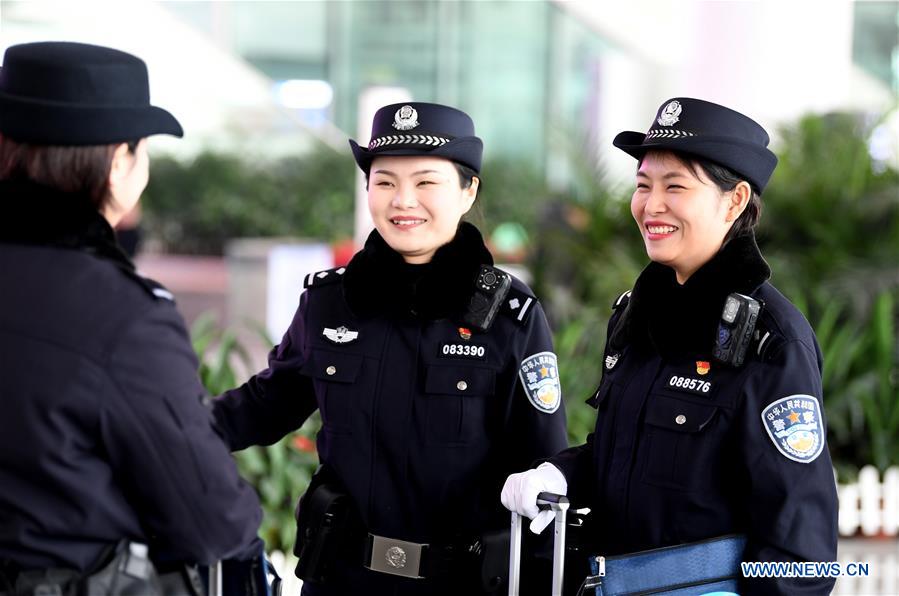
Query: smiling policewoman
(433,371)
(709,412)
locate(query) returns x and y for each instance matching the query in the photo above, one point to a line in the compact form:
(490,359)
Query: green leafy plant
(280,472)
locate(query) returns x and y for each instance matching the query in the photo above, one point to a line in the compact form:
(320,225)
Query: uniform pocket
(335,376)
(679,439)
(455,402)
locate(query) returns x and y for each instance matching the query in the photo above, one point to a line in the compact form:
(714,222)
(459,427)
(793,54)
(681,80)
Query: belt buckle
(396,557)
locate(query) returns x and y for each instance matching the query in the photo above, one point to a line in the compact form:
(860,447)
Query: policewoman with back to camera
(433,370)
(106,445)
(709,412)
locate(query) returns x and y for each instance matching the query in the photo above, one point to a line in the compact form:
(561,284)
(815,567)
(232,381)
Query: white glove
(520,493)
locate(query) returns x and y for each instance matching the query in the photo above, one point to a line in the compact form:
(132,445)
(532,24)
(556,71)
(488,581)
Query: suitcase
(560,505)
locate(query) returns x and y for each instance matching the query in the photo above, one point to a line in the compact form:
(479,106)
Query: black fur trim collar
(39,215)
(677,319)
(379,282)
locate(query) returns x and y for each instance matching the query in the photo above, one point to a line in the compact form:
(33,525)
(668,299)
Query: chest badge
(341,335)
(794,425)
(465,333)
(612,360)
(702,367)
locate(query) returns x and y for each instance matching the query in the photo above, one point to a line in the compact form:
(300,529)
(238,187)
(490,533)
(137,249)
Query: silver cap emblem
(396,557)
(670,113)
(406,118)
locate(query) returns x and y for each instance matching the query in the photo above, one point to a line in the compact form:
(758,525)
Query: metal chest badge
(406,118)
(702,367)
(539,376)
(341,335)
(670,113)
(794,424)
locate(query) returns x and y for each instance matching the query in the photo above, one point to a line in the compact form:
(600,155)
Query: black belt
(415,560)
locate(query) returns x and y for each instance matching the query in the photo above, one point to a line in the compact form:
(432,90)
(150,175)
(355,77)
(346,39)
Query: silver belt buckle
(396,557)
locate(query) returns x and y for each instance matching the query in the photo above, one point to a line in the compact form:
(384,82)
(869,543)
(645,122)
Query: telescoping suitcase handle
(559,504)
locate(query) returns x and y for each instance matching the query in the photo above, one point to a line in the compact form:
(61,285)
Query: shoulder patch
(518,305)
(322,278)
(622,300)
(539,374)
(794,425)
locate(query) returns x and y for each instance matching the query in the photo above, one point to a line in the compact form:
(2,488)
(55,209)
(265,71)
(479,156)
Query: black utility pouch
(495,561)
(323,525)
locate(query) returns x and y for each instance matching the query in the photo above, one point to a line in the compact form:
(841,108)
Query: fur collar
(676,319)
(39,215)
(379,282)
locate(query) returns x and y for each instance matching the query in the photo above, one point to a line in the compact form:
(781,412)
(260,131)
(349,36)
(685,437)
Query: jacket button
(461,385)
(331,370)
(681,419)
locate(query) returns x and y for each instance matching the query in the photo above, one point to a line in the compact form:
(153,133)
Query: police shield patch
(539,376)
(794,424)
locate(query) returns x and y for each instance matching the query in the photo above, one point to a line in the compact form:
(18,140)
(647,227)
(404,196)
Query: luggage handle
(559,504)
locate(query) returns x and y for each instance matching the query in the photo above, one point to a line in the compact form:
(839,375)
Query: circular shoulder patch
(539,376)
(794,424)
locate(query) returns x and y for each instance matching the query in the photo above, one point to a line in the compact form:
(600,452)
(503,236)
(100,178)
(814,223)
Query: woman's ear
(738,200)
(471,193)
(122,162)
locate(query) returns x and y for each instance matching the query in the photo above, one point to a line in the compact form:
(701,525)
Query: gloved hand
(520,493)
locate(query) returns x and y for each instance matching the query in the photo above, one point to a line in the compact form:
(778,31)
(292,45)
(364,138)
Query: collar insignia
(341,335)
(612,360)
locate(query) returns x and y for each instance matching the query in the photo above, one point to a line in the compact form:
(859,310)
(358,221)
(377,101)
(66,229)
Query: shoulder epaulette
(518,305)
(153,287)
(622,300)
(323,278)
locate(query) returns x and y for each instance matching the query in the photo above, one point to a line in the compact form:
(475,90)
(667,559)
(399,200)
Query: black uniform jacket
(421,423)
(682,451)
(103,434)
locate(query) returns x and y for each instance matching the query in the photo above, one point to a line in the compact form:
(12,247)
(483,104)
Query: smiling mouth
(661,229)
(407,222)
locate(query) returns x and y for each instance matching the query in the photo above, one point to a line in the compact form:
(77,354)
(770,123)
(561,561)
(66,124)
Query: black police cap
(65,93)
(709,131)
(424,129)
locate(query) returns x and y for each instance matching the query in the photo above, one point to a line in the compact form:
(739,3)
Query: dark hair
(726,180)
(466,175)
(74,169)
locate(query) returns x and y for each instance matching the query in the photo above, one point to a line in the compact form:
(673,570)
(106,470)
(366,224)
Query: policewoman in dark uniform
(434,373)
(693,440)
(104,437)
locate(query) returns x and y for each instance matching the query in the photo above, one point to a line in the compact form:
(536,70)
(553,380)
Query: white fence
(870,505)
